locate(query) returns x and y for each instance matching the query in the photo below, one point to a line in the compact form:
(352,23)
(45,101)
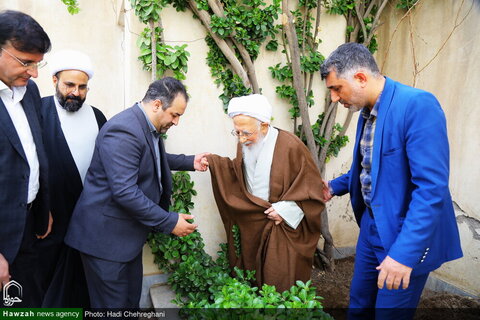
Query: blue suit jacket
(14,175)
(411,200)
(121,200)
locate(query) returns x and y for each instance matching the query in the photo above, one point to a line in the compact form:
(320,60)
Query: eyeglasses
(239,134)
(28,65)
(71,87)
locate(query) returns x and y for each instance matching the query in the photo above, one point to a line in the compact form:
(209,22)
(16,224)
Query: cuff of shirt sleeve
(330,189)
(290,212)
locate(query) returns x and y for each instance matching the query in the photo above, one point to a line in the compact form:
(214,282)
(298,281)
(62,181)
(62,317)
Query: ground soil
(334,288)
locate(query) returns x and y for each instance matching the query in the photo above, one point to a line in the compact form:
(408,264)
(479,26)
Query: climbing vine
(168,58)
(157,56)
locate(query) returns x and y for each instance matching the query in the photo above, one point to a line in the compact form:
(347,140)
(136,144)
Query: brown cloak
(279,254)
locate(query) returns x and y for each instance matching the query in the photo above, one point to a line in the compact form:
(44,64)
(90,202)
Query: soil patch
(334,288)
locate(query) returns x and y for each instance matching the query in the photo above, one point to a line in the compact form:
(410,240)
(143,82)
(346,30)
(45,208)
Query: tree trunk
(298,80)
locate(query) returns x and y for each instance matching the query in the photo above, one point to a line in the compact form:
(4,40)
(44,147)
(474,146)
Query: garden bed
(334,288)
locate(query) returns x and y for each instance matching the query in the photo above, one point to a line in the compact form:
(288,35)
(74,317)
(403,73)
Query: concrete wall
(447,32)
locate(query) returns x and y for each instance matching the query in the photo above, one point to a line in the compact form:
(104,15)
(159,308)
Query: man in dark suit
(70,127)
(127,194)
(398,185)
(24,214)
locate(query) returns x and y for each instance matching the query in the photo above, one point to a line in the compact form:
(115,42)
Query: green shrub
(202,284)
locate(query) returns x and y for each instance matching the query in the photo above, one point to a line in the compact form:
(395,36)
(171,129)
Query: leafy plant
(247,24)
(148,10)
(72,6)
(406,4)
(231,82)
(336,141)
(199,281)
(168,57)
(236,240)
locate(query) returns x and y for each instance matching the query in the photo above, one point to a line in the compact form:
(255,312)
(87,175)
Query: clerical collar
(152,128)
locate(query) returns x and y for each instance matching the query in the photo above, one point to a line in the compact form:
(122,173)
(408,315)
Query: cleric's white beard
(252,151)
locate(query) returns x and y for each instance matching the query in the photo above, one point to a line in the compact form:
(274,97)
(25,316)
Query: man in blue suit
(127,193)
(398,185)
(24,214)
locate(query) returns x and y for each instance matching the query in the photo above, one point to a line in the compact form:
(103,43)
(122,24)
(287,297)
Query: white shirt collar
(16,94)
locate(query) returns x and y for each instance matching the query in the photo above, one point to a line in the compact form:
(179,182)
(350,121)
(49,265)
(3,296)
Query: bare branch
(354,35)
(248,64)
(331,107)
(414,55)
(317,22)
(457,24)
(360,19)
(327,236)
(346,123)
(375,22)
(153,39)
(370,7)
(409,11)
(330,122)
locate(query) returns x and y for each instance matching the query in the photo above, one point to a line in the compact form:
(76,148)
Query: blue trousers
(113,284)
(366,300)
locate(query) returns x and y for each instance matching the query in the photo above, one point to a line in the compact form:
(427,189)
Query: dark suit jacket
(411,200)
(14,175)
(121,201)
(65,182)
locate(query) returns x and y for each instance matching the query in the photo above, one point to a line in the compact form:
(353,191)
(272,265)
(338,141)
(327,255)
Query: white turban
(70,60)
(254,105)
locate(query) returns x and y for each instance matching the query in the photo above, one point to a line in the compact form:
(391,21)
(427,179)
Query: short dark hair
(23,32)
(348,57)
(165,90)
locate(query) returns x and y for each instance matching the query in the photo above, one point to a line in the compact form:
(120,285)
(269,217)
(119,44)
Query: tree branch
(227,51)
(360,19)
(457,24)
(153,39)
(218,10)
(395,31)
(376,22)
(298,81)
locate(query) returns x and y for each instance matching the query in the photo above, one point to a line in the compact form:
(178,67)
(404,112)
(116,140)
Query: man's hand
(273,215)
(326,191)
(4,273)
(200,163)
(393,273)
(49,229)
(183,227)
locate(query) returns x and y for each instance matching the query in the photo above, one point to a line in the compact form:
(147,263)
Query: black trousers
(24,268)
